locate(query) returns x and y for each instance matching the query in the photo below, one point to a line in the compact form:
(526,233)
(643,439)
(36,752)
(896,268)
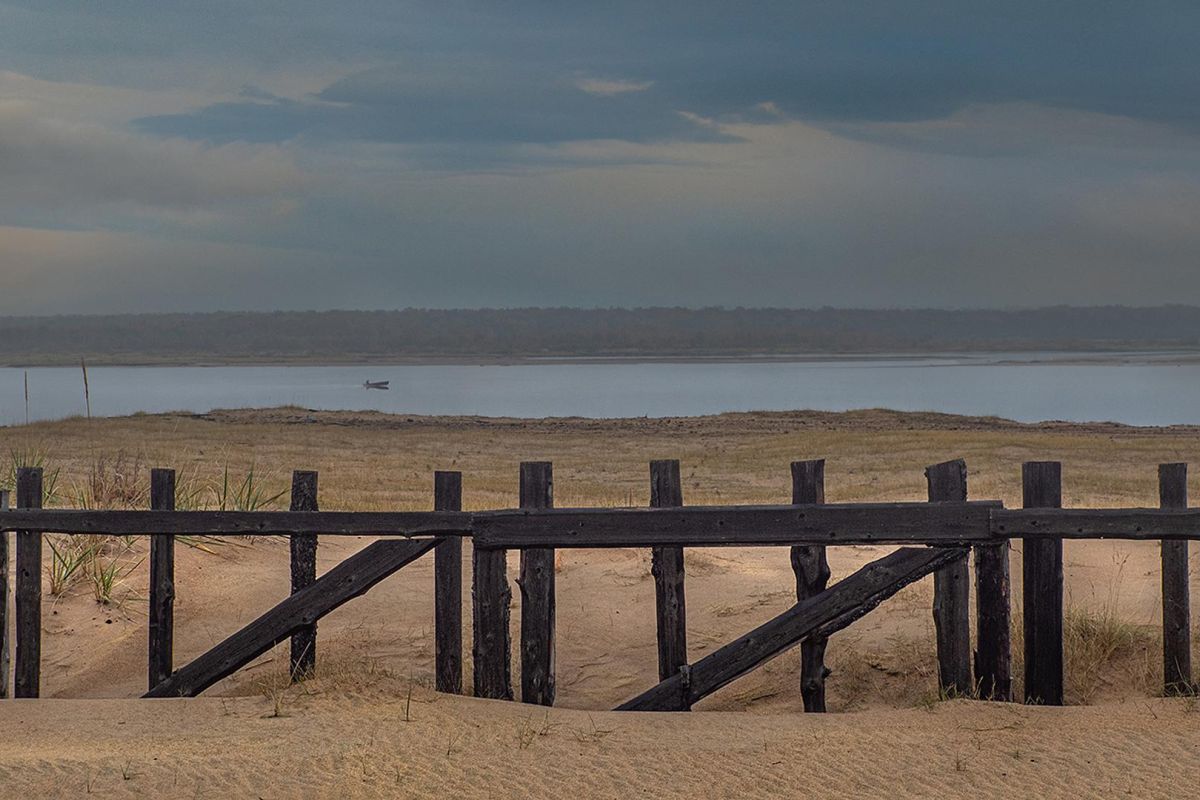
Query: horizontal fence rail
(975,522)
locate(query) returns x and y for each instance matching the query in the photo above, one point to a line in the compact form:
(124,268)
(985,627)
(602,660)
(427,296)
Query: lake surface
(1150,392)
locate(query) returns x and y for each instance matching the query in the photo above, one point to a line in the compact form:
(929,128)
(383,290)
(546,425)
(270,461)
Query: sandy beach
(345,732)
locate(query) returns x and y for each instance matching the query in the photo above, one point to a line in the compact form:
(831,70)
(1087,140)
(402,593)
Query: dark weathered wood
(491,649)
(993,622)
(304,573)
(349,579)
(27,661)
(667,567)
(711,526)
(5,647)
(243,523)
(952,590)
(162,582)
(866,523)
(447,589)
(1177,634)
(536,582)
(811,566)
(830,611)
(1137,524)
(1042,571)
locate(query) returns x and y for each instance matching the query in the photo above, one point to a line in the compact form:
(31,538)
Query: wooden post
(491,599)
(447,589)
(28,655)
(666,564)
(993,622)
(1177,635)
(162,581)
(304,572)
(1042,569)
(952,591)
(811,566)
(4,645)
(537,593)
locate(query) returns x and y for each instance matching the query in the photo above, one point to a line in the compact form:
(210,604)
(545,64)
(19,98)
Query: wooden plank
(667,567)
(1177,634)
(1043,591)
(5,646)
(947,483)
(349,579)
(872,523)
(303,655)
(536,582)
(1137,524)
(447,589)
(811,567)
(830,611)
(162,582)
(711,526)
(27,659)
(243,523)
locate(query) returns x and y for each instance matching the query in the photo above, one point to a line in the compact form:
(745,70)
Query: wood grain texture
(1043,591)
(161,640)
(667,567)
(243,523)
(947,483)
(1177,634)
(810,564)
(447,590)
(303,655)
(536,583)
(712,526)
(27,655)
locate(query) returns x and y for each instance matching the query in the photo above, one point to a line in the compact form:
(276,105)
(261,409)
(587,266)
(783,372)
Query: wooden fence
(936,537)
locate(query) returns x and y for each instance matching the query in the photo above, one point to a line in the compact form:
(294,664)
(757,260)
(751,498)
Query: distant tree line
(540,332)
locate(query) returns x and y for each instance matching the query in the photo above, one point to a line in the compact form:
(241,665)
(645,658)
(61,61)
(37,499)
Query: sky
(166,156)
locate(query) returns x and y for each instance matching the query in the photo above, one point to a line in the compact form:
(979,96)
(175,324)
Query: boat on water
(377,385)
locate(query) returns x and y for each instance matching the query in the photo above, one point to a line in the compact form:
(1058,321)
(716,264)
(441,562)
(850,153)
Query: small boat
(385,385)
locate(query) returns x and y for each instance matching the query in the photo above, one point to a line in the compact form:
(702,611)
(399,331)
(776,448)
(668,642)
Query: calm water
(1141,394)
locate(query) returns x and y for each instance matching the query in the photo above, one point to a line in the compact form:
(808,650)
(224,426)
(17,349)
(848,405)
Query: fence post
(304,572)
(666,564)
(536,582)
(491,598)
(162,581)
(1177,636)
(1042,570)
(447,589)
(4,645)
(28,607)
(993,622)
(811,566)
(952,590)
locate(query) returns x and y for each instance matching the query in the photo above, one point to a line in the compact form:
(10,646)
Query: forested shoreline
(500,334)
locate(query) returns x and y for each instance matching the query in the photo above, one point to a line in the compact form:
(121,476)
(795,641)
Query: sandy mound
(383,745)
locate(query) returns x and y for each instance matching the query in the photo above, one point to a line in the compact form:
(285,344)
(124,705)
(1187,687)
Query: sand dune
(362,745)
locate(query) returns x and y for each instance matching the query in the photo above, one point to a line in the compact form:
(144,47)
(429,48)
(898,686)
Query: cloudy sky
(378,154)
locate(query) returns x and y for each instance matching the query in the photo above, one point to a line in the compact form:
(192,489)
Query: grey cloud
(49,164)
(485,74)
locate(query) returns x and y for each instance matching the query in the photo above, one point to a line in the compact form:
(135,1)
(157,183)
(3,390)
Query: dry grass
(372,461)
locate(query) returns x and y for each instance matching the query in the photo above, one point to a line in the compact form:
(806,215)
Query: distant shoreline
(1014,357)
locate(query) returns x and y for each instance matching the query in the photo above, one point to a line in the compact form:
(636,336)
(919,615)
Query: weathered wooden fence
(936,537)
